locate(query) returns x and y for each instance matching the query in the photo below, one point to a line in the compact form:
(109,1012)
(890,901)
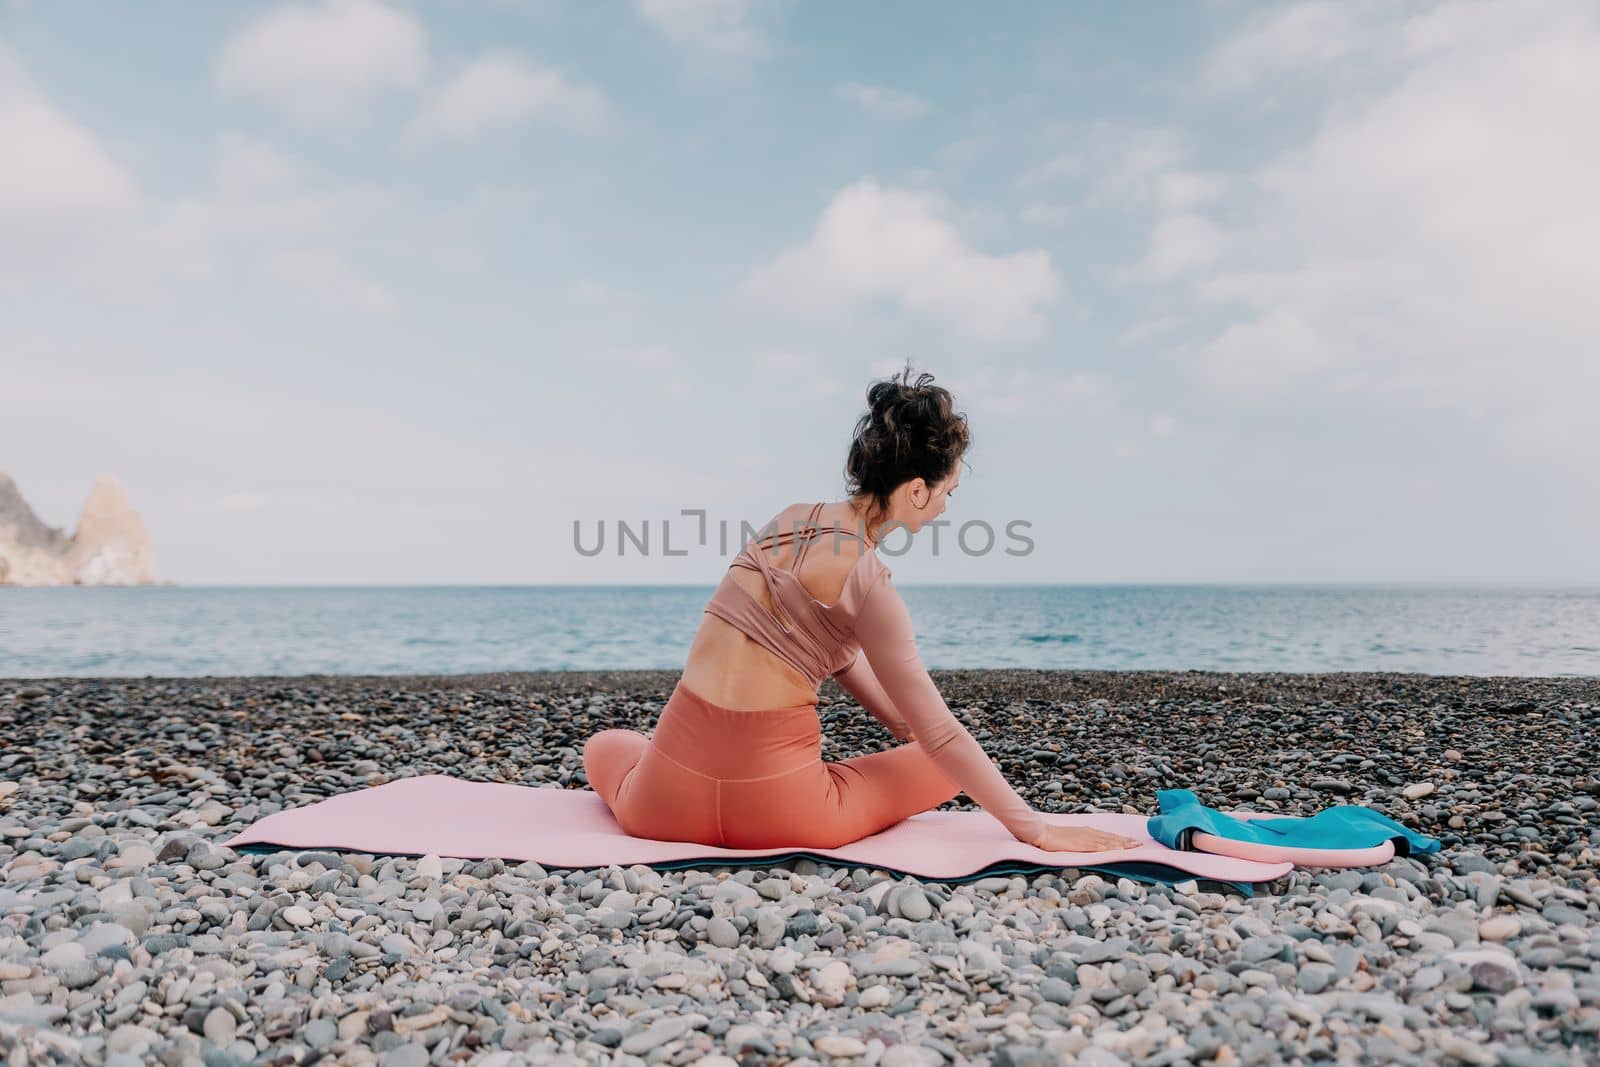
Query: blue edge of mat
(1137,870)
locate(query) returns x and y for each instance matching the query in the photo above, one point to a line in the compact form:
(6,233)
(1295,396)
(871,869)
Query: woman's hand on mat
(1084,839)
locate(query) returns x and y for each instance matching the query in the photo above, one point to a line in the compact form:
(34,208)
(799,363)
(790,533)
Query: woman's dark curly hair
(910,429)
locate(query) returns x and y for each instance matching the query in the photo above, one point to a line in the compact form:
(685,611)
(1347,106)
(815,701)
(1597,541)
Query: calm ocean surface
(188,631)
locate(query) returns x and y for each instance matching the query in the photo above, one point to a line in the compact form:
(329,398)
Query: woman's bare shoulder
(789,515)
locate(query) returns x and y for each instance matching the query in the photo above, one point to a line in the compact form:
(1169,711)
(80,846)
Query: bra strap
(776,611)
(807,536)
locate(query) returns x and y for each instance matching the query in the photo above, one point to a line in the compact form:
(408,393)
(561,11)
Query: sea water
(194,631)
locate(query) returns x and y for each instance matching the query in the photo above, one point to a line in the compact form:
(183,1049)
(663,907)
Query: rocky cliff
(109,547)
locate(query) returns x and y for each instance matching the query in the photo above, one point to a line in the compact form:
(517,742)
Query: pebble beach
(131,936)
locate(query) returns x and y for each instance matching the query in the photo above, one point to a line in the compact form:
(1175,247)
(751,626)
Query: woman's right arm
(883,629)
(859,681)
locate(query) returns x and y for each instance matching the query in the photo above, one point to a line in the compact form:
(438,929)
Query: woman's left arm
(859,681)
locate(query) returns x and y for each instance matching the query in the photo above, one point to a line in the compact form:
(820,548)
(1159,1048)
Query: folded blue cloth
(1341,826)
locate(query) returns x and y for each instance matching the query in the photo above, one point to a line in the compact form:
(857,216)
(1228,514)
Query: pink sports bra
(864,641)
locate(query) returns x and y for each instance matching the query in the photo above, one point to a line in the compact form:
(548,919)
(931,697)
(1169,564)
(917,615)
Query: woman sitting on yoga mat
(735,760)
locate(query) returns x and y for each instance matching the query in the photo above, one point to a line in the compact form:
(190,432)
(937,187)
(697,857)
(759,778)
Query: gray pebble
(409,1054)
(1313,978)
(1377,960)
(722,933)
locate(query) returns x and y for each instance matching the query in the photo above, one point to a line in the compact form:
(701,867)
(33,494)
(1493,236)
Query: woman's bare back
(726,666)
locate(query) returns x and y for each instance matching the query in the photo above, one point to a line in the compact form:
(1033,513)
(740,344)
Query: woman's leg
(825,805)
(608,756)
(876,791)
(649,794)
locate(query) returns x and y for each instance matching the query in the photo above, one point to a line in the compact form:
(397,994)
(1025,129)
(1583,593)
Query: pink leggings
(754,779)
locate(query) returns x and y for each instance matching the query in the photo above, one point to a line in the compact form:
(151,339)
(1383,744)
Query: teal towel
(1341,826)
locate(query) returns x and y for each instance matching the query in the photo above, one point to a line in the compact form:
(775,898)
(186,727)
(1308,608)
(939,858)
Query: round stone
(410,1054)
(915,906)
(1313,978)
(1494,976)
(723,933)
(1500,927)
(220,1026)
(839,1045)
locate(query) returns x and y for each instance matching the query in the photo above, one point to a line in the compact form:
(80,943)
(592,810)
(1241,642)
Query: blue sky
(349,291)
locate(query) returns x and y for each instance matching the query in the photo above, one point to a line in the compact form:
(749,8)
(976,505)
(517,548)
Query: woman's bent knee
(607,756)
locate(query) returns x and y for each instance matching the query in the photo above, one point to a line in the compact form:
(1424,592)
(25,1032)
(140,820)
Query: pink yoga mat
(435,813)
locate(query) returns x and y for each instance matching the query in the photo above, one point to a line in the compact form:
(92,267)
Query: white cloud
(963,151)
(323,278)
(1123,163)
(874,243)
(248,167)
(1135,169)
(54,167)
(499,91)
(1116,167)
(883,102)
(986,392)
(1179,243)
(148,256)
(716,29)
(1271,350)
(325,63)
(1180,190)
(1147,329)
(1136,159)
(1290,39)
(1045,214)
(1066,164)
(1133,438)
(1435,243)
(794,379)
(261,225)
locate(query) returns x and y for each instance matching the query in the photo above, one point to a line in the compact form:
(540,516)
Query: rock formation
(109,547)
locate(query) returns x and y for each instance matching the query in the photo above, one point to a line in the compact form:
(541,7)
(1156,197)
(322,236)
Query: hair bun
(911,429)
